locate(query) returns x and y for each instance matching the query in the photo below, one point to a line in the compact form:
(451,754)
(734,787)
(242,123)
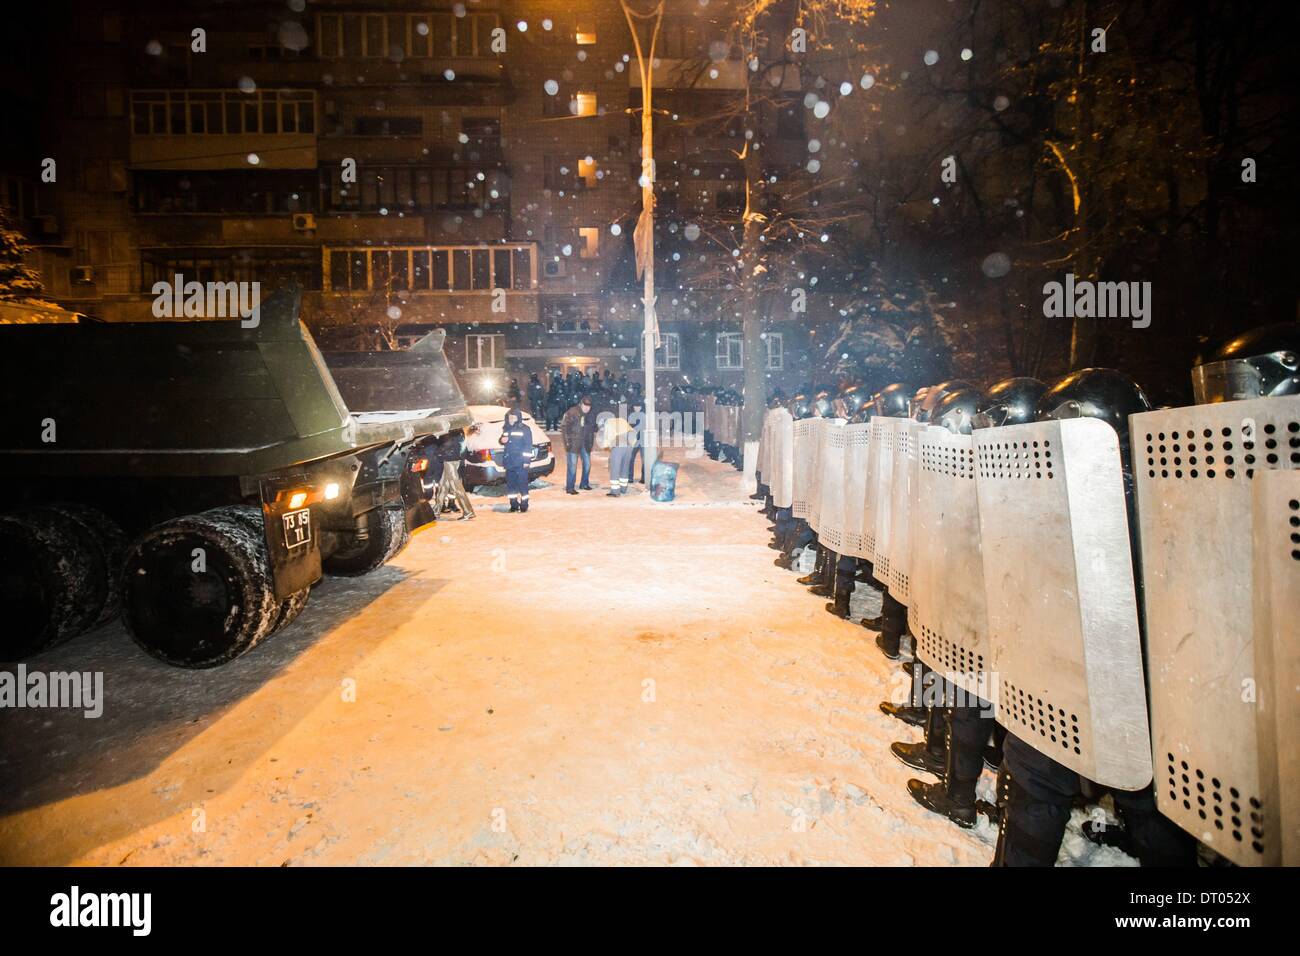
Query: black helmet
(1261,363)
(800,407)
(928,399)
(893,401)
(851,400)
(822,405)
(1103,393)
(1012,401)
(957,410)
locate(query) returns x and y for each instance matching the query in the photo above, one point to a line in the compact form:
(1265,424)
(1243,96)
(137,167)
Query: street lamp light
(643,238)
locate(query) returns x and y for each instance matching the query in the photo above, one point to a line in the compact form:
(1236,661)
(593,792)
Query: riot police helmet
(1104,393)
(1012,401)
(957,410)
(1261,363)
(894,401)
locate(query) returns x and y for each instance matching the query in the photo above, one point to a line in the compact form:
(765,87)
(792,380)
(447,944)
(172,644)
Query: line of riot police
(1097,597)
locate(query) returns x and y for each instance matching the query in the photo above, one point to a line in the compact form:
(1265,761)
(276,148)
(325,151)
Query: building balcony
(494,283)
(198,129)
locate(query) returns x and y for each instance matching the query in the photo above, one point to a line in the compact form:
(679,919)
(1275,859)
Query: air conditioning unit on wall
(304,222)
(83,274)
(553,268)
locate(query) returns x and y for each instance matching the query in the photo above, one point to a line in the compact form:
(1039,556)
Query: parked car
(483,455)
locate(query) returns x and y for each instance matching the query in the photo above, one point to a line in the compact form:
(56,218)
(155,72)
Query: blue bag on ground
(663,481)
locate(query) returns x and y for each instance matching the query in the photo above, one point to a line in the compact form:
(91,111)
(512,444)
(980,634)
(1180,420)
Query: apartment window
(589,241)
(485,351)
(222,112)
(400,35)
(416,188)
(731,351)
(775,351)
(387,126)
(587,171)
(584,104)
(431,268)
(559,174)
(669,354)
(586,35)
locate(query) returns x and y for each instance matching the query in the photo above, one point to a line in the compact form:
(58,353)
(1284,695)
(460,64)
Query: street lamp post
(644,235)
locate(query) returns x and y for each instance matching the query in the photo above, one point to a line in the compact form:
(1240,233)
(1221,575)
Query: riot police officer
(1040,791)
(966,727)
(792,533)
(953,411)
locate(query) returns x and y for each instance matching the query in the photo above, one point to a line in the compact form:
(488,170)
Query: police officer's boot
(523,505)
(893,622)
(815,575)
(514,505)
(825,585)
(840,606)
(930,754)
(954,796)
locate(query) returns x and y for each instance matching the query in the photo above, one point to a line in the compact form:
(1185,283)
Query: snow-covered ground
(600,681)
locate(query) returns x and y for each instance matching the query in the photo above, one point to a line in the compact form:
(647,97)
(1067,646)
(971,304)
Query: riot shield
(882,466)
(781,458)
(807,437)
(892,566)
(1194,468)
(762,467)
(830,511)
(857,452)
(951,628)
(1276,589)
(1062,609)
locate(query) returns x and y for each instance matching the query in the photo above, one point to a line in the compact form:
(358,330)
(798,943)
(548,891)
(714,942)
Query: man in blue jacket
(517,438)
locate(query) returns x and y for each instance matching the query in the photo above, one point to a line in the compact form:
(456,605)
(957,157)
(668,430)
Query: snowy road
(510,690)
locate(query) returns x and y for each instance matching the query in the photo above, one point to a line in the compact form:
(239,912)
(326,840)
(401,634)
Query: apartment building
(471,166)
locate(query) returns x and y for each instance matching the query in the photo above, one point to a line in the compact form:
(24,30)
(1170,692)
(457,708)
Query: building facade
(469,166)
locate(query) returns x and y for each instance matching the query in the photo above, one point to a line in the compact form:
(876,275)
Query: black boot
(819,566)
(840,606)
(918,756)
(523,505)
(931,753)
(907,713)
(872,623)
(888,647)
(936,798)
(785,562)
(514,505)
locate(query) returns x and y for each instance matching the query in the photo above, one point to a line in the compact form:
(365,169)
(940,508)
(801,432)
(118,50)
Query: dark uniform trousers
(1038,808)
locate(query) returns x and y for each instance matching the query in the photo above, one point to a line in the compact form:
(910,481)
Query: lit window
(586,34)
(584,104)
(587,171)
(590,237)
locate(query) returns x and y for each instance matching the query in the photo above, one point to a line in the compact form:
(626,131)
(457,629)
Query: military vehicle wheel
(112,544)
(291,607)
(251,516)
(53,582)
(387,535)
(197,591)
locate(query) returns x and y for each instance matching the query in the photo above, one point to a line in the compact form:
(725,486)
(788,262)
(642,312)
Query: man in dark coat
(579,432)
(536,397)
